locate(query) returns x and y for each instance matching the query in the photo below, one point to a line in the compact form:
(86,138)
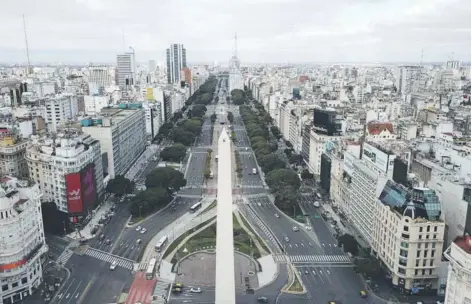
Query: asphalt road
(248,163)
(92,281)
(242,140)
(196,168)
(126,244)
(56,246)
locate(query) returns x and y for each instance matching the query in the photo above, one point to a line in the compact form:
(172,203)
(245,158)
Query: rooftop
(463,242)
(375,128)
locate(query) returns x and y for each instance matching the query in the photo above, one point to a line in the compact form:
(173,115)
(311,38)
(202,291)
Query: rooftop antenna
(26,43)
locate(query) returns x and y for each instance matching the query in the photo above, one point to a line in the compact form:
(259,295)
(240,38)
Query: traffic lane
(248,163)
(339,284)
(299,243)
(322,231)
(196,169)
(56,246)
(206,296)
(127,242)
(108,286)
(112,229)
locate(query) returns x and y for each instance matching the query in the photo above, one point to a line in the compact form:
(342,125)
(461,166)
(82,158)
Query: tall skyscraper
(125,69)
(176,61)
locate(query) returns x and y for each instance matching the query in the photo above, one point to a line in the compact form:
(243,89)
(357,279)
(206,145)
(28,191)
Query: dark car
(262,300)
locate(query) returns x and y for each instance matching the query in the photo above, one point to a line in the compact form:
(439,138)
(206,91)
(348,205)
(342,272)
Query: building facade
(60,165)
(60,109)
(122,136)
(458,276)
(22,239)
(176,57)
(125,70)
(12,156)
(94,104)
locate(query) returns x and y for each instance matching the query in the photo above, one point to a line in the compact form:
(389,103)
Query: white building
(99,76)
(369,176)
(458,277)
(318,143)
(94,104)
(125,70)
(154,118)
(176,57)
(12,156)
(122,136)
(22,239)
(59,165)
(60,109)
(236,80)
(408,236)
(44,88)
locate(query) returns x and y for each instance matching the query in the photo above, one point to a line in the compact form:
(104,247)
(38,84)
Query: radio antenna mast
(26,43)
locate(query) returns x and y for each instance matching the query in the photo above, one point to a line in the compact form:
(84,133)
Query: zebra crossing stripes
(314,259)
(104,256)
(160,292)
(143,266)
(64,257)
(262,227)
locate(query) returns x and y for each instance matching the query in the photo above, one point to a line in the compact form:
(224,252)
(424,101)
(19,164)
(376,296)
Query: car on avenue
(195,290)
(138,228)
(262,300)
(143,230)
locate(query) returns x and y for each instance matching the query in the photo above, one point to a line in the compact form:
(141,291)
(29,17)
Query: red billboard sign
(88,186)
(74,193)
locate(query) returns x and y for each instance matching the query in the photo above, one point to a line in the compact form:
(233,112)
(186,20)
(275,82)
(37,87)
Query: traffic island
(294,285)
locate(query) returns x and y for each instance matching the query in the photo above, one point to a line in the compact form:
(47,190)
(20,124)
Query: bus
(195,207)
(162,242)
(151,268)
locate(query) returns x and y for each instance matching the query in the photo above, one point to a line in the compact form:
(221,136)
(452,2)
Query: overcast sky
(290,31)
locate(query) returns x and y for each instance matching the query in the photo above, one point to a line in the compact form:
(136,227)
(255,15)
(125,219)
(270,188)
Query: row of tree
(283,182)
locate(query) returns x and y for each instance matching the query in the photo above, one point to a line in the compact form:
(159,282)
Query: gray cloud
(268,30)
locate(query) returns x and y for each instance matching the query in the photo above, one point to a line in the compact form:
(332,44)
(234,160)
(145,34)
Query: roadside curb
(292,275)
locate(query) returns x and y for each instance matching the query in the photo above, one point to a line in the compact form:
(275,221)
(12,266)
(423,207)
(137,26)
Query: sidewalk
(86,232)
(140,163)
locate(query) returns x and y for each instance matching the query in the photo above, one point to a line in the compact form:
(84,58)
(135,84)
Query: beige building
(458,277)
(408,236)
(12,156)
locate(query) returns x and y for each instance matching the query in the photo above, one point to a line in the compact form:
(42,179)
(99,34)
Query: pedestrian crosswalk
(315,259)
(107,257)
(64,257)
(260,186)
(160,292)
(142,266)
(263,227)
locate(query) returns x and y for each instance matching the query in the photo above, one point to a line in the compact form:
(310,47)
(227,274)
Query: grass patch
(177,241)
(207,239)
(245,223)
(211,206)
(296,285)
(293,211)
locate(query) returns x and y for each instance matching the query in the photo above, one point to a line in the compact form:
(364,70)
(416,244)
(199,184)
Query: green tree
(283,179)
(230,117)
(204,99)
(179,135)
(198,110)
(295,159)
(349,244)
(305,175)
(174,153)
(370,267)
(273,146)
(228,99)
(177,115)
(149,201)
(271,162)
(165,128)
(119,186)
(288,152)
(167,178)
(275,131)
(238,96)
(193,126)
(213,118)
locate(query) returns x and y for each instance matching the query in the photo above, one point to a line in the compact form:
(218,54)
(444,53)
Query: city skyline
(273,31)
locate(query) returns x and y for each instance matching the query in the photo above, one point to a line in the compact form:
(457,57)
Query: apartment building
(99,76)
(68,170)
(176,56)
(122,135)
(154,118)
(408,237)
(125,70)
(458,276)
(95,103)
(369,175)
(60,109)
(22,239)
(12,155)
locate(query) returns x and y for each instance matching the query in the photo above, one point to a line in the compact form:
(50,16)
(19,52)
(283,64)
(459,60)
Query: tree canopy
(306,174)
(148,201)
(271,162)
(230,117)
(283,179)
(198,110)
(213,118)
(238,96)
(349,244)
(119,186)
(165,128)
(167,178)
(174,153)
(179,135)
(296,159)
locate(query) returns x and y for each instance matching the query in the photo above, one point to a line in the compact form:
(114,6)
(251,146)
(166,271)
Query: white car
(195,290)
(138,228)
(143,230)
(259,204)
(307,227)
(277,215)
(113,265)
(295,228)
(316,204)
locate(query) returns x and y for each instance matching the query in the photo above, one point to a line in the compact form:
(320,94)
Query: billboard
(348,163)
(88,186)
(74,193)
(379,159)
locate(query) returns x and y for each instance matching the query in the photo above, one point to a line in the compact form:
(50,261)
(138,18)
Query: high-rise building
(68,171)
(176,57)
(236,80)
(60,109)
(122,135)
(125,69)
(99,76)
(22,239)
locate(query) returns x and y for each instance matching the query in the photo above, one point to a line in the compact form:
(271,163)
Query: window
(431,262)
(435,229)
(14,285)
(402,262)
(24,280)
(401,270)
(430,272)
(416,271)
(425,253)
(404,244)
(432,253)
(417,264)
(4,287)
(428,228)
(420,237)
(421,229)
(405,228)
(403,253)
(433,245)
(434,236)
(418,253)
(424,263)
